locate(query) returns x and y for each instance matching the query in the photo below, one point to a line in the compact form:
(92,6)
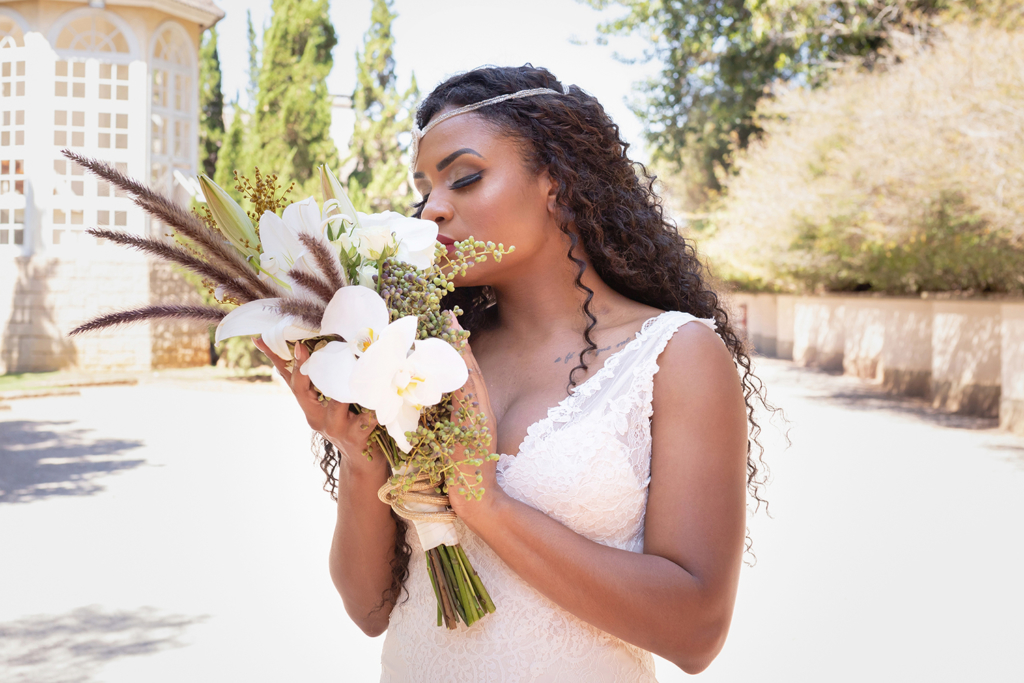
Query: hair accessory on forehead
(417,134)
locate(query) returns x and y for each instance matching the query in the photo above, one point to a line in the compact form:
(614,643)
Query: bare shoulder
(696,354)
(697,390)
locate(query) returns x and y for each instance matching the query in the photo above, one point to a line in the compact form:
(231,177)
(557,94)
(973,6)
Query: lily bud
(232,221)
(342,205)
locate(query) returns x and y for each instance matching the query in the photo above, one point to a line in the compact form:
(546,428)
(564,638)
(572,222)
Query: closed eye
(467,180)
(418,206)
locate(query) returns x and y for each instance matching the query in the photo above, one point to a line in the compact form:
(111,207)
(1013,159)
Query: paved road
(174,531)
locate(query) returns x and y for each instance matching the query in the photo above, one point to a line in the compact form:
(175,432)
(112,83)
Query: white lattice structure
(117,81)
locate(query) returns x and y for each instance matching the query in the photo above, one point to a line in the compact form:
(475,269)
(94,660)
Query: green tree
(719,58)
(290,132)
(253,87)
(211,104)
(233,155)
(379,180)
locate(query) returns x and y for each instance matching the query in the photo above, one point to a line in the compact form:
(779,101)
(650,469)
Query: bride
(612,526)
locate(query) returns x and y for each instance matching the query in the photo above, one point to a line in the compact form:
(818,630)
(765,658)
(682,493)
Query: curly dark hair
(617,220)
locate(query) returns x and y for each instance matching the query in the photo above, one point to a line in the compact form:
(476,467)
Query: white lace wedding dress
(587,465)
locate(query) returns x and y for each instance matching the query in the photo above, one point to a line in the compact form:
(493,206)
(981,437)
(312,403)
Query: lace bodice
(586,464)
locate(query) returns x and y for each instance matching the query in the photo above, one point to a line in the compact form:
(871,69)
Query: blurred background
(852,172)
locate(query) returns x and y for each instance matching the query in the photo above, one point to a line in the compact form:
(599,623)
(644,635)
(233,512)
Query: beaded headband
(417,134)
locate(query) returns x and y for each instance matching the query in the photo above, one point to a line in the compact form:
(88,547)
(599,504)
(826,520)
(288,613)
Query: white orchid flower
(262,317)
(397,384)
(359,316)
(410,239)
(374,367)
(282,248)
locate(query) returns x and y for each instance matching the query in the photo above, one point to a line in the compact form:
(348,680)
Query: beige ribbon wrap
(426,509)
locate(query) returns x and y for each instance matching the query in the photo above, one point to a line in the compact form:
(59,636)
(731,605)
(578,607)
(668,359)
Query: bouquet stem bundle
(459,591)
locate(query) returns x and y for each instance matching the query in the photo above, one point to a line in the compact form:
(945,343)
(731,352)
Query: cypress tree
(292,118)
(211,103)
(253,87)
(380,178)
(233,152)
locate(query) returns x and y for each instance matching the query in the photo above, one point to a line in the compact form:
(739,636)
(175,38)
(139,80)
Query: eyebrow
(446,162)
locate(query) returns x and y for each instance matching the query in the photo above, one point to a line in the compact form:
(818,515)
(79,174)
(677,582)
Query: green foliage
(379,180)
(253,86)
(902,181)
(290,133)
(719,59)
(950,247)
(233,153)
(211,104)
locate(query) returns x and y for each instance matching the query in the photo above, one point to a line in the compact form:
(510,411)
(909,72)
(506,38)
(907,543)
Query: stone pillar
(763,316)
(1011,400)
(966,354)
(784,319)
(818,332)
(906,363)
(864,336)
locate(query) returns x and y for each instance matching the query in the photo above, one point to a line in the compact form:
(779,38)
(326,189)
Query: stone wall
(42,299)
(965,355)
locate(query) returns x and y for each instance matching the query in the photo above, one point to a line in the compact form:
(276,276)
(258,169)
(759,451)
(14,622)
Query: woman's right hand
(348,431)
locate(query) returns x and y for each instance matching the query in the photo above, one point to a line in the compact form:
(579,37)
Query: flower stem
(450,617)
(433,584)
(452,583)
(478,585)
(467,601)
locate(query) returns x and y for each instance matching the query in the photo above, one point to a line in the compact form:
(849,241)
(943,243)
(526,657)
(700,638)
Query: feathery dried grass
(210,242)
(207,314)
(314,284)
(175,254)
(308,311)
(325,260)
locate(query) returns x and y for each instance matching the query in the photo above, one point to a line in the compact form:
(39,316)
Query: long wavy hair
(616,219)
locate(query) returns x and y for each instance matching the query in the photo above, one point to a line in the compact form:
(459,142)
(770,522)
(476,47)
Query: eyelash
(457,185)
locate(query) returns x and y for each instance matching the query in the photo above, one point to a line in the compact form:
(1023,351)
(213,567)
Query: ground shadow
(40,459)
(73,647)
(860,395)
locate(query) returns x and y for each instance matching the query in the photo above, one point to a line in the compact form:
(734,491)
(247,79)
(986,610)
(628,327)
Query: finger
(280,363)
(300,382)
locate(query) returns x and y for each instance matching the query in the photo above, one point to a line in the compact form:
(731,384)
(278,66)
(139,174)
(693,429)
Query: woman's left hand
(473,395)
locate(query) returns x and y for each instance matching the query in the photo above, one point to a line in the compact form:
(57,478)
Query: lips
(448,242)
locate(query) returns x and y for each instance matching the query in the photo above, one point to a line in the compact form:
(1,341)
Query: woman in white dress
(613,523)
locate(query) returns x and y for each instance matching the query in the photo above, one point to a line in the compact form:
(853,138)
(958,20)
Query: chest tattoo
(597,352)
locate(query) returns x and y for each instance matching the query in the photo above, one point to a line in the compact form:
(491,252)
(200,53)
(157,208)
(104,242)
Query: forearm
(646,600)
(363,545)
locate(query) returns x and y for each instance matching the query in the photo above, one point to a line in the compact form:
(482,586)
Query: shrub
(904,180)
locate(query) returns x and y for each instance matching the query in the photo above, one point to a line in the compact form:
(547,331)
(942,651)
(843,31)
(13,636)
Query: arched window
(173,113)
(92,33)
(12,132)
(94,112)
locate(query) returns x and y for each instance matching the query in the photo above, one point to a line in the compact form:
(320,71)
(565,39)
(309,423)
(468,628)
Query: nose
(436,209)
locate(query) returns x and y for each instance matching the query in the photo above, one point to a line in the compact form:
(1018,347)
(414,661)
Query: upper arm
(696,509)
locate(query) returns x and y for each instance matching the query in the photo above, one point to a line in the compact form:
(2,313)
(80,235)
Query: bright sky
(437,38)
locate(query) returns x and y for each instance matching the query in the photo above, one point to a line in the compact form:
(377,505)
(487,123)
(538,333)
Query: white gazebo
(114,80)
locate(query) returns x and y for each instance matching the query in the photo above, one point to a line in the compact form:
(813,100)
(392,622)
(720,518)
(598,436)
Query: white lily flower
(282,248)
(262,317)
(410,239)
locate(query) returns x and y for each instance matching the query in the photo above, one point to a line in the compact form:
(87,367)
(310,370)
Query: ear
(550,186)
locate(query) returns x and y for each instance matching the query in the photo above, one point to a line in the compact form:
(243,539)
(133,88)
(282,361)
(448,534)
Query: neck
(546,302)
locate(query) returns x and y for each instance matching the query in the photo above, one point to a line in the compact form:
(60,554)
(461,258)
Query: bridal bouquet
(363,292)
